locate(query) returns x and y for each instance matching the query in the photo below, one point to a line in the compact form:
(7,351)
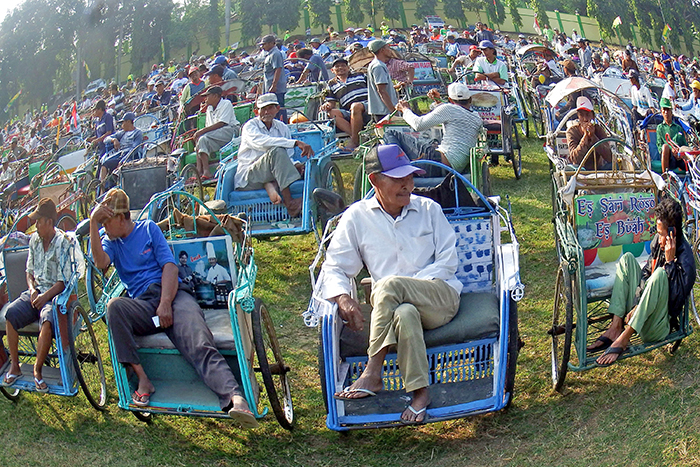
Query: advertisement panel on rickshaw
(488,104)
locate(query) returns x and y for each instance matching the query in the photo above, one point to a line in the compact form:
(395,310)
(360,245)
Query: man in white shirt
(409,250)
(221,128)
(465,61)
(670,90)
(216,273)
(642,102)
(488,68)
(265,156)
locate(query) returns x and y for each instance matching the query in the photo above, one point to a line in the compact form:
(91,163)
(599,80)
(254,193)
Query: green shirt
(674,130)
(549,34)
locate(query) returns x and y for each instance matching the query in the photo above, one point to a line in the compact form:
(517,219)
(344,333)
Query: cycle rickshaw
(472,358)
(598,216)
(74,360)
(241,324)
(267,219)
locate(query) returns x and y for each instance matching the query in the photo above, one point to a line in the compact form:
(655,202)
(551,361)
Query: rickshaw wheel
(10,393)
(193,187)
(272,367)
(146,417)
(67,223)
(332,179)
(562,323)
(357,184)
(485,187)
(87,361)
(515,157)
(513,349)
(88,200)
(94,282)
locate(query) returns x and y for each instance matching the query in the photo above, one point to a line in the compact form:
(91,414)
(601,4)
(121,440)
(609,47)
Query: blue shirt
(317,66)
(140,257)
(163,99)
(104,125)
(273,61)
(128,140)
(452,49)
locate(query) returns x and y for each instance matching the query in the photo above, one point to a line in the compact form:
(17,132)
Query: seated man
(465,61)
(671,156)
(348,91)
(103,128)
(265,156)
(221,128)
(409,249)
(488,68)
(124,142)
(460,124)
(48,272)
(583,135)
(642,103)
(650,300)
(157,302)
(161,97)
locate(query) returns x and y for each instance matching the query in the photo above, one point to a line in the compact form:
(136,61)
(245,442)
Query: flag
(664,35)
(617,22)
(87,70)
(162,48)
(536,26)
(12,101)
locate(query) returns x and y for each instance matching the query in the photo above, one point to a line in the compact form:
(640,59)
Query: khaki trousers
(401,308)
(274,165)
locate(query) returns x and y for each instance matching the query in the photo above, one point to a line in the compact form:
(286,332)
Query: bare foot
(363,387)
(240,412)
(294,207)
(146,388)
(419,404)
(240,404)
(272,193)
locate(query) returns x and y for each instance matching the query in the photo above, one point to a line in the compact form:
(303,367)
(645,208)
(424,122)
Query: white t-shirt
(222,113)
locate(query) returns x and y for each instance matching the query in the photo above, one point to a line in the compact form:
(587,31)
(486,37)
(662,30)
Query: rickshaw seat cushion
(478,317)
(601,278)
(236,196)
(219,323)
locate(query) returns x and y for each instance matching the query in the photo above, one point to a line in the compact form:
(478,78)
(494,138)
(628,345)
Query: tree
(514,13)
(251,19)
(392,9)
(425,8)
(320,12)
(353,12)
(214,20)
(453,9)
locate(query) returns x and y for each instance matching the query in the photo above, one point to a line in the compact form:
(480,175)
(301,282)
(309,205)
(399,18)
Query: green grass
(639,412)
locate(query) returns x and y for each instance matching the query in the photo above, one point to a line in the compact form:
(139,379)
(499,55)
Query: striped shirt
(460,130)
(354,89)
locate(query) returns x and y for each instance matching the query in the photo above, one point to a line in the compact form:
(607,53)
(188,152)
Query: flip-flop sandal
(141,399)
(41,386)
(244,419)
(611,350)
(9,379)
(343,395)
(607,342)
(416,413)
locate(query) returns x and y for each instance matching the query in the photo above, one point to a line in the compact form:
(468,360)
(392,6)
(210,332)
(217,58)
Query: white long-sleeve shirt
(460,130)
(256,140)
(641,98)
(419,243)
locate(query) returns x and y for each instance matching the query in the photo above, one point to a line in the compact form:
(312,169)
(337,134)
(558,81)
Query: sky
(6,6)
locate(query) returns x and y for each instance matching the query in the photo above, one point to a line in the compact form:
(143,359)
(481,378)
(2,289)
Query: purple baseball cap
(390,160)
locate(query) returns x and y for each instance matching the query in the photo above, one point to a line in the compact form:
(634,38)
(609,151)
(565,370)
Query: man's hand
(40,300)
(401,106)
(670,247)
(434,94)
(349,311)
(326,107)
(300,168)
(33,295)
(116,143)
(165,314)
(630,315)
(306,149)
(101,212)
(198,134)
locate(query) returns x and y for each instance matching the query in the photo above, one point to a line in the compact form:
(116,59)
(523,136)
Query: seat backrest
(607,226)
(143,182)
(475,253)
(16,271)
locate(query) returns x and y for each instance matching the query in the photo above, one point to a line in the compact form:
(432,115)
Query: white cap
(584,103)
(458,91)
(210,251)
(267,99)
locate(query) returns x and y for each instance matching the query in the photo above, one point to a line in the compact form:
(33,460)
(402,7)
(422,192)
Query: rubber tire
(11,394)
(357,184)
(331,172)
(146,417)
(197,188)
(97,400)
(513,349)
(67,223)
(515,156)
(563,302)
(485,187)
(262,328)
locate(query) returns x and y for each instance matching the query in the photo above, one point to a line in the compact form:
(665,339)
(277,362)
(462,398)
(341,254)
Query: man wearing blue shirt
(124,142)
(103,128)
(157,302)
